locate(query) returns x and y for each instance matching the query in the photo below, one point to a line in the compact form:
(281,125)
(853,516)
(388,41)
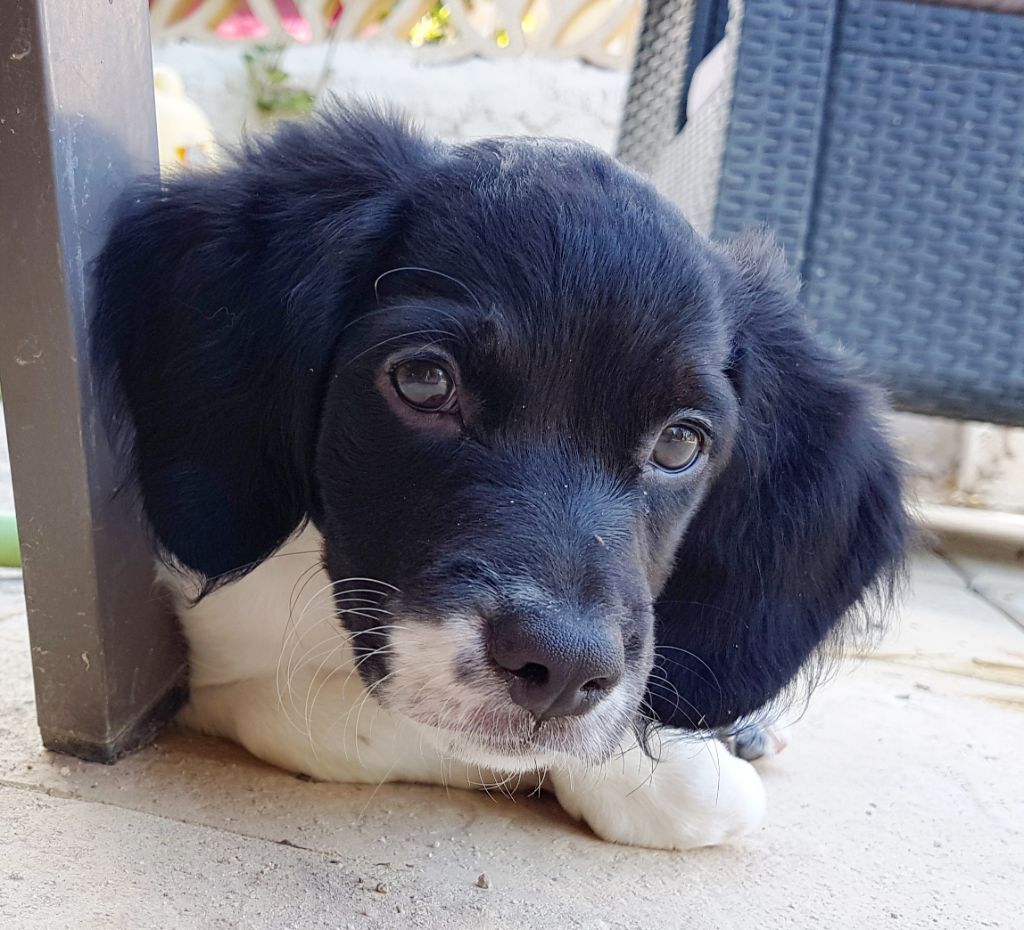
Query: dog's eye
(677,448)
(425,385)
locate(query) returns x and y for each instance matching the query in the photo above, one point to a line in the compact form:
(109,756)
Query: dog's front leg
(689,792)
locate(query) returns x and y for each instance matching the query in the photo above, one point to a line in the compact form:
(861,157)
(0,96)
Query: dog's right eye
(677,448)
(424,385)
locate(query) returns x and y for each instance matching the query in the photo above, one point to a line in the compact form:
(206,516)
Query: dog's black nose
(557,671)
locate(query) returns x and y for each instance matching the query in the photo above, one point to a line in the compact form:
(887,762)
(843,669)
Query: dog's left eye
(424,385)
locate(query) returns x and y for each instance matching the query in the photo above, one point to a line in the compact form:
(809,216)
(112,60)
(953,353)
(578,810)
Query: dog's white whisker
(376,790)
(311,655)
(362,579)
(380,650)
(371,691)
(401,337)
(303,579)
(290,667)
(294,663)
(365,612)
(702,736)
(296,623)
(299,586)
(307,710)
(368,691)
(660,649)
(323,651)
(420,268)
(336,584)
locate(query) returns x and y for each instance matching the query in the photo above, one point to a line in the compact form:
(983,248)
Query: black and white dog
(474,463)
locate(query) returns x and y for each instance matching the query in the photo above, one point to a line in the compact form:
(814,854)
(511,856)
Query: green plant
(276,95)
(10,553)
(273,92)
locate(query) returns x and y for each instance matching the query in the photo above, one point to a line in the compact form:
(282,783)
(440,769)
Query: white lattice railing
(600,32)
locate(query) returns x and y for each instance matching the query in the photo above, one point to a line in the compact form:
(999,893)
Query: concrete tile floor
(900,803)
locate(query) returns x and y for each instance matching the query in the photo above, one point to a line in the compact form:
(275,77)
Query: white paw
(695,794)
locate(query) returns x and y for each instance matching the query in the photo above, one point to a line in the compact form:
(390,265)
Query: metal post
(76,121)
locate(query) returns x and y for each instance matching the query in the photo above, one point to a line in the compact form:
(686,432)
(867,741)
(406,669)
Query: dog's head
(551,437)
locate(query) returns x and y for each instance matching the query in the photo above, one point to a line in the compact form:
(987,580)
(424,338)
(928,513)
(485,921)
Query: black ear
(220,299)
(804,523)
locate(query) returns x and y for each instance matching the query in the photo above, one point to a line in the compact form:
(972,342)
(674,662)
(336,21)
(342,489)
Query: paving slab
(76,864)
(1000,581)
(898,804)
(956,629)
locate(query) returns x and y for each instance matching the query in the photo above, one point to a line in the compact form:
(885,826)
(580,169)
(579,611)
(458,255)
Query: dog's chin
(554,744)
(505,738)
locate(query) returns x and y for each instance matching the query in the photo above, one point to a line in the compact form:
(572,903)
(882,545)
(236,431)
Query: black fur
(248,316)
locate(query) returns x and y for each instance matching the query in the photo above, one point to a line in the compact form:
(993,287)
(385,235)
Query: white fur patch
(273,670)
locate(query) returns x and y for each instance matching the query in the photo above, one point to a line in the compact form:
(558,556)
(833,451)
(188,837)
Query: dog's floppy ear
(220,297)
(804,523)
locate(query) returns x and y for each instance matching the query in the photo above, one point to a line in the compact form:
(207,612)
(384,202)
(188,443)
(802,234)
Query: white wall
(518,96)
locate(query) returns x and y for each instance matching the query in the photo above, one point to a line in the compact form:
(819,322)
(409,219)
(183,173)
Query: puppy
(474,464)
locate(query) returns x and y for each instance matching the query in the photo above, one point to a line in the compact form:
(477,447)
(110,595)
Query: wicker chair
(883,140)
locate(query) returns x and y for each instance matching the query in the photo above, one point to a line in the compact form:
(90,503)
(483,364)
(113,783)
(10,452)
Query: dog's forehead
(550,213)
(574,249)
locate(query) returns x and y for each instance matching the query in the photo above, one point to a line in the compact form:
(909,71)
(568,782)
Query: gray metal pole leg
(76,122)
